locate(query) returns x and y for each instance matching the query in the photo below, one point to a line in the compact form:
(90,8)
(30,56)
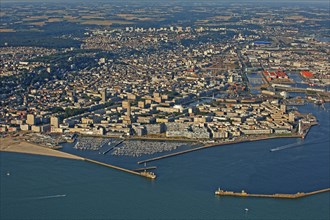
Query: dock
(171,155)
(116,145)
(212,145)
(146,174)
(220,192)
(306,129)
(107,151)
(145,168)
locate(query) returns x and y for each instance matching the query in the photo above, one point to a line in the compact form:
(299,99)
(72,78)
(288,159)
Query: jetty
(220,192)
(116,145)
(216,144)
(146,174)
(172,154)
(145,168)
(107,151)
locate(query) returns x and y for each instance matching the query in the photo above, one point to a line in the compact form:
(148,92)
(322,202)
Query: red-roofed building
(307,74)
(281,74)
(273,75)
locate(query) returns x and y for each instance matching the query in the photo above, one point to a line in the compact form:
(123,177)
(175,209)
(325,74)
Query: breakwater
(149,175)
(214,145)
(145,168)
(297,195)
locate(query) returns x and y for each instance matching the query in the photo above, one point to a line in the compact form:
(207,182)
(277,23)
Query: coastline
(16,145)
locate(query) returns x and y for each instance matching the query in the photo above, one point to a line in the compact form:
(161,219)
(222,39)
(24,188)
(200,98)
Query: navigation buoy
(246,209)
(8,174)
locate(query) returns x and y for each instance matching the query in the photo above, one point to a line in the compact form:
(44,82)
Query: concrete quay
(215,145)
(220,192)
(146,174)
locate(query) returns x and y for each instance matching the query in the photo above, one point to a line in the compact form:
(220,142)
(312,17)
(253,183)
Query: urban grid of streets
(222,75)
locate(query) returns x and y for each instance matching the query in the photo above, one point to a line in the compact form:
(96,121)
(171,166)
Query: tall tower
(30,119)
(104,95)
(54,121)
(129,109)
(127,104)
(291,117)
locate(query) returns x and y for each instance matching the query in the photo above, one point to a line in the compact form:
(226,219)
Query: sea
(41,187)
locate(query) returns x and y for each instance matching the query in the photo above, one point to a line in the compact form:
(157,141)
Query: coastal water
(37,187)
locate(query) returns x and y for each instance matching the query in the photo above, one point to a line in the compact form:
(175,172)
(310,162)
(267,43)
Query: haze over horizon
(227,1)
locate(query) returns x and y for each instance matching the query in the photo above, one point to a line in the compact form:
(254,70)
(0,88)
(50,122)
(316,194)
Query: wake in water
(300,143)
(287,146)
(47,197)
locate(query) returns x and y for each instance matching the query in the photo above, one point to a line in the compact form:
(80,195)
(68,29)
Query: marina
(90,143)
(111,148)
(137,148)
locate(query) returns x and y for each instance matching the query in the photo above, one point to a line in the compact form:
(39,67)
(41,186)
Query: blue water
(41,187)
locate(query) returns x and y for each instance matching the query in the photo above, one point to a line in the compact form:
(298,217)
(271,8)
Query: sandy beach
(10,144)
(18,145)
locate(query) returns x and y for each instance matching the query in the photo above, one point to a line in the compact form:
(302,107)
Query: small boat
(287,146)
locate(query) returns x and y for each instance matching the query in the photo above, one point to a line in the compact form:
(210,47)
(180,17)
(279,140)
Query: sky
(228,1)
(308,2)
